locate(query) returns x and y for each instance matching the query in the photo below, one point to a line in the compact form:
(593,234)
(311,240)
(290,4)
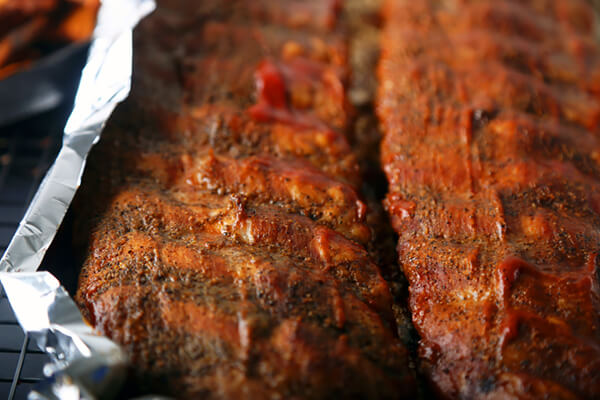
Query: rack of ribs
(223,233)
(491,119)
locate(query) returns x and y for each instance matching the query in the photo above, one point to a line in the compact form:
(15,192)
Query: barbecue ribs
(227,251)
(491,117)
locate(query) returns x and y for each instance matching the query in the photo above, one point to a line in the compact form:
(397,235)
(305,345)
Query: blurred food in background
(31,29)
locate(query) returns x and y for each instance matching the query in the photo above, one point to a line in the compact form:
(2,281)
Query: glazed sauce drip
(272,86)
(584,280)
(513,267)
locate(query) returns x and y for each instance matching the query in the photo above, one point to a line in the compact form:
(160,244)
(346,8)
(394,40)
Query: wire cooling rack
(27,149)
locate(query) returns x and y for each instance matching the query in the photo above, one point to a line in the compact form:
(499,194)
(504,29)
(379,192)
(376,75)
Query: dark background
(27,149)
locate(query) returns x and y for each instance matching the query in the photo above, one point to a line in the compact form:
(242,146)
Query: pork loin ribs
(491,117)
(227,251)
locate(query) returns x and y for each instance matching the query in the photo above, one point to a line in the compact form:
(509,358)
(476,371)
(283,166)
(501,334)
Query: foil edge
(85,365)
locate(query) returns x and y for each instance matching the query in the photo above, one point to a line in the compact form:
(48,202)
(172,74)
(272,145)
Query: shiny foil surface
(86,365)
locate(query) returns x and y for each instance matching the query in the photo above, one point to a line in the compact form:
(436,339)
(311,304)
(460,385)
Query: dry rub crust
(224,234)
(491,115)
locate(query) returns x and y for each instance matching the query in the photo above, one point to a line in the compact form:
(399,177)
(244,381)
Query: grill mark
(227,131)
(200,320)
(264,227)
(267,179)
(447,217)
(515,177)
(326,149)
(544,146)
(207,318)
(507,90)
(575,15)
(294,185)
(553,62)
(220,266)
(548,139)
(508,17)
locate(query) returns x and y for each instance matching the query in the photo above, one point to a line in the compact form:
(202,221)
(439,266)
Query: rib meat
(491,117)
(222,224)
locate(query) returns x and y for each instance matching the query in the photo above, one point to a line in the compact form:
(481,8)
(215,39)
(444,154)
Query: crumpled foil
(86,365)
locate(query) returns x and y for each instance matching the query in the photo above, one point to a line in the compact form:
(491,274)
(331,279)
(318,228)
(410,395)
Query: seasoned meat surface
(491,116)
(224,233)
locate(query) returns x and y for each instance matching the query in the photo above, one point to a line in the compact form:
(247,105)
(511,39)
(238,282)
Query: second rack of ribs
(491,113)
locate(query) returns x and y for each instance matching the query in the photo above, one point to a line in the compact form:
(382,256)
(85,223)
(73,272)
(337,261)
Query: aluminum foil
(86,365)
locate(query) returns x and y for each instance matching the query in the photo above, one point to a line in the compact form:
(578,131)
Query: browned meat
(30,29)
(228,239)
(491,115)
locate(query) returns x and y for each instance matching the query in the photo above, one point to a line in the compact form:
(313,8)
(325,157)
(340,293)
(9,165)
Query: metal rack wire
(26,152)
